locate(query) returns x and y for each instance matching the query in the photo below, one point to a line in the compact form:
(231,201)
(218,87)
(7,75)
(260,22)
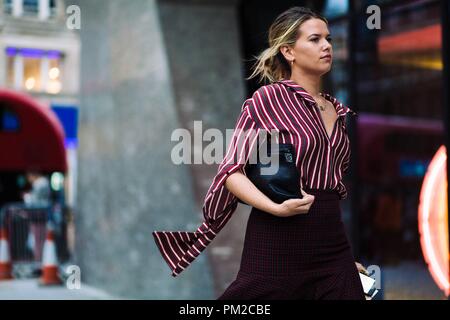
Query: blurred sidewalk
(29,289)
(410,281)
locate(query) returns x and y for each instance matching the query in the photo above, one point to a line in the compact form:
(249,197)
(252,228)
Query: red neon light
(433,220)
(427,38)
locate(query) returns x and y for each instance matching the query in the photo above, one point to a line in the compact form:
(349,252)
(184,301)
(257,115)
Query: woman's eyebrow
(317,34)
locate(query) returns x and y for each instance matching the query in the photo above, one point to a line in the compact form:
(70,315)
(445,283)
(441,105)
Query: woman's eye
(315,39)
(330,40)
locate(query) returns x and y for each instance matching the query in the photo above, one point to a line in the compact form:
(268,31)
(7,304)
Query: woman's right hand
(239,185)
(293,207)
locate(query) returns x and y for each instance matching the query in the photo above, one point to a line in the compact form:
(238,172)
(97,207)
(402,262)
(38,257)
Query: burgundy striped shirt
(321,159)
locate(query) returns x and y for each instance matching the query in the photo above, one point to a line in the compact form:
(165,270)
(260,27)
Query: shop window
(34,70)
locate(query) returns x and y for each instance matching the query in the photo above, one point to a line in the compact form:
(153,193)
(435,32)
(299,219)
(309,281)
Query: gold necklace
(321,107)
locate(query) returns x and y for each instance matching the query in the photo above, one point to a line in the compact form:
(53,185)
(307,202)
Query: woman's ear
(286,51)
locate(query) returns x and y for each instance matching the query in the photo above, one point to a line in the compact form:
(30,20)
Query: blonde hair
(270,64)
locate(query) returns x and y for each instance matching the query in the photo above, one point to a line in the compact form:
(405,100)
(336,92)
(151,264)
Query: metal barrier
(27,230)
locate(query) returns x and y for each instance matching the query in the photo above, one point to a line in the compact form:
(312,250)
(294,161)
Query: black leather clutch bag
(284,183)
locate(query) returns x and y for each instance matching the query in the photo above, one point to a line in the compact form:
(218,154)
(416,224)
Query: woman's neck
(310,83)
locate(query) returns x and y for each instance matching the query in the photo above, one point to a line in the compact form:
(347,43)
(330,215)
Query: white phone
(368,285)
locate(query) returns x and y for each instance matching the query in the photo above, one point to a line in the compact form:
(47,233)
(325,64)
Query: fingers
(299,205)
(301,202)
(307,198)
(305,194)
(361,268)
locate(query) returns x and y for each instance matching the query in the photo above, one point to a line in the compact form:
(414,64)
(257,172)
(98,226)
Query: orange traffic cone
(5,259)
(49,262)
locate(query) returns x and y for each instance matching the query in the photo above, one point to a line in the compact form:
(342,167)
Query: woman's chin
(324,71)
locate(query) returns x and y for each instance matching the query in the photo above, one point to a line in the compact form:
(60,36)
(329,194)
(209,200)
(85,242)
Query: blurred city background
(91,91)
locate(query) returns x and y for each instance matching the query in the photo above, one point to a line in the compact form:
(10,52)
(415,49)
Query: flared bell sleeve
(180,248)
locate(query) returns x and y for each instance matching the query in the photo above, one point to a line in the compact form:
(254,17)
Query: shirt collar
(341,110)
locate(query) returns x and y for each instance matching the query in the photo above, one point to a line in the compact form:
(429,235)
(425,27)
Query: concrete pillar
(44,9)
(17,8)
(127,183)
(18,72)
(44,73)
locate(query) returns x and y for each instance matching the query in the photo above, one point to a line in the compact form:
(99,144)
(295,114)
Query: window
(34,69)
(31,72)
(30,8)
(7,5)
(398,84)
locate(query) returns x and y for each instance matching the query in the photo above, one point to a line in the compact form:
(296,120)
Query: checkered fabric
(306,256)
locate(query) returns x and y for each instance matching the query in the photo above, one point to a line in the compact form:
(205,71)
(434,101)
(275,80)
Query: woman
(297,249)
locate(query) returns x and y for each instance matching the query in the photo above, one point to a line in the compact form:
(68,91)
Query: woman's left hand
(361,268)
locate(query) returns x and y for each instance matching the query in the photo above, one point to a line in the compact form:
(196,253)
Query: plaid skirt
(306,256)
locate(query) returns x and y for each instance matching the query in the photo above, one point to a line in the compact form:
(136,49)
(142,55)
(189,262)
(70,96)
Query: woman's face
(311,48)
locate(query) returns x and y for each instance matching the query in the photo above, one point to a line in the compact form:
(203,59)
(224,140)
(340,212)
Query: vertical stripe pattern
(289,110)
